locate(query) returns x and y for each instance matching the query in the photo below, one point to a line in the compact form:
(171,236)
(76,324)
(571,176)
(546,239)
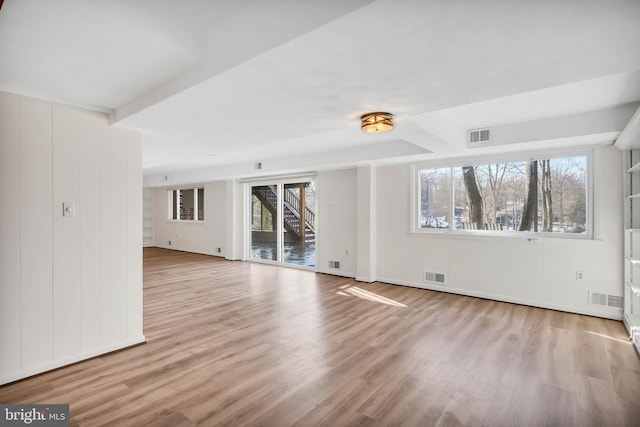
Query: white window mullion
(280,221)
(195,204)
(452,215)
(178,205)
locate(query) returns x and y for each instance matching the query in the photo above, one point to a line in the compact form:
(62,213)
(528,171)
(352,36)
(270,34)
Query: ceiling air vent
(479,136)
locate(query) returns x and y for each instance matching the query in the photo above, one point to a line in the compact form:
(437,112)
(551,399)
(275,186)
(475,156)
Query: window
(545,195)
(261,217)
(186,204)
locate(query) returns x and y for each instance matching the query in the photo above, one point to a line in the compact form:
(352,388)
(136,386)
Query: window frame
(171,209)
(591,154)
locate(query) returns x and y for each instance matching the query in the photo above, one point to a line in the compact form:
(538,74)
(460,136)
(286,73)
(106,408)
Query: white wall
(539,272)
(223,226)
(336,239)
(202,237)
(70,287)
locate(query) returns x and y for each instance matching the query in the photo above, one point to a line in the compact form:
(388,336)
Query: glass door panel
(264,229)
(298,224)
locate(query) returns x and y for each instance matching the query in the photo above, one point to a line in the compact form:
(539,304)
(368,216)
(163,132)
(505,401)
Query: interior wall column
(235,220)
(366,224)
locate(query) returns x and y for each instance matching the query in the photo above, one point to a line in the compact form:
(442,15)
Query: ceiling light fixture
(376,122)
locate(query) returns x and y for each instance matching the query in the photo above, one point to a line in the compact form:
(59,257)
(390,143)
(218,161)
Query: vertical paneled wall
(10,254)
(134,235)
(36,243)
(66,233)
(70,286)
(89,169)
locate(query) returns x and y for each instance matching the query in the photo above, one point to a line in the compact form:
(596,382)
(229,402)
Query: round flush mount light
(376,122)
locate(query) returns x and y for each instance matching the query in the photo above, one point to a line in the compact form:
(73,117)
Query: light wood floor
(233,343)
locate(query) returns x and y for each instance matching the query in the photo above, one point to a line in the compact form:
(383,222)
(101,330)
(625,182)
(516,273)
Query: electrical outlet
(169,242)
(219,250)
(579,275)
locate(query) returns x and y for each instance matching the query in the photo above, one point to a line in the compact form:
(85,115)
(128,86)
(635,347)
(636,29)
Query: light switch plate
(68,209)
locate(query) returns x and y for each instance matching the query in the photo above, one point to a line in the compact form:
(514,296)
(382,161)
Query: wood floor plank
(242,344)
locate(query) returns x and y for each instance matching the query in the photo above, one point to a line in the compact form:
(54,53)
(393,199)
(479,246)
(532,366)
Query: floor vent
(334,264)
(437,278)
(479,136)
(613,301)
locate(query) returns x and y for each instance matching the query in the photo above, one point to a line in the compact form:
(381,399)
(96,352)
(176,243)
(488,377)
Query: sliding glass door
(282,226)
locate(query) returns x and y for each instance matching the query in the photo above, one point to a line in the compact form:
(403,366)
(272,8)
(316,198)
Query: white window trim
(591,152)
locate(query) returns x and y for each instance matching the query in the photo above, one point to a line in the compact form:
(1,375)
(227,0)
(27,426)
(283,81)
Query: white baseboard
(15,376)
(595,311)
(176,248)
(334,272)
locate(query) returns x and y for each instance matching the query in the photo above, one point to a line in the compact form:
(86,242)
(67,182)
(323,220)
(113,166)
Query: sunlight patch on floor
(608,337)
(348,290)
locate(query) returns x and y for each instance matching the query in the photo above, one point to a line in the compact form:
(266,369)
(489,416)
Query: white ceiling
(218,85)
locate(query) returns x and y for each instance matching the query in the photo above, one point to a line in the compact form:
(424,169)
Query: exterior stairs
(291,212)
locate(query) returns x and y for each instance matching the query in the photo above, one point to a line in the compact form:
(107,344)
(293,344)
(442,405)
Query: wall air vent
(437,278)
(479,136)
(615,301)
(612,301)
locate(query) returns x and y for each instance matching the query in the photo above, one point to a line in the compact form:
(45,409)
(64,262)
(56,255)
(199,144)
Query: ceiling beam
(630,137)
(248,32)
(599,122)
